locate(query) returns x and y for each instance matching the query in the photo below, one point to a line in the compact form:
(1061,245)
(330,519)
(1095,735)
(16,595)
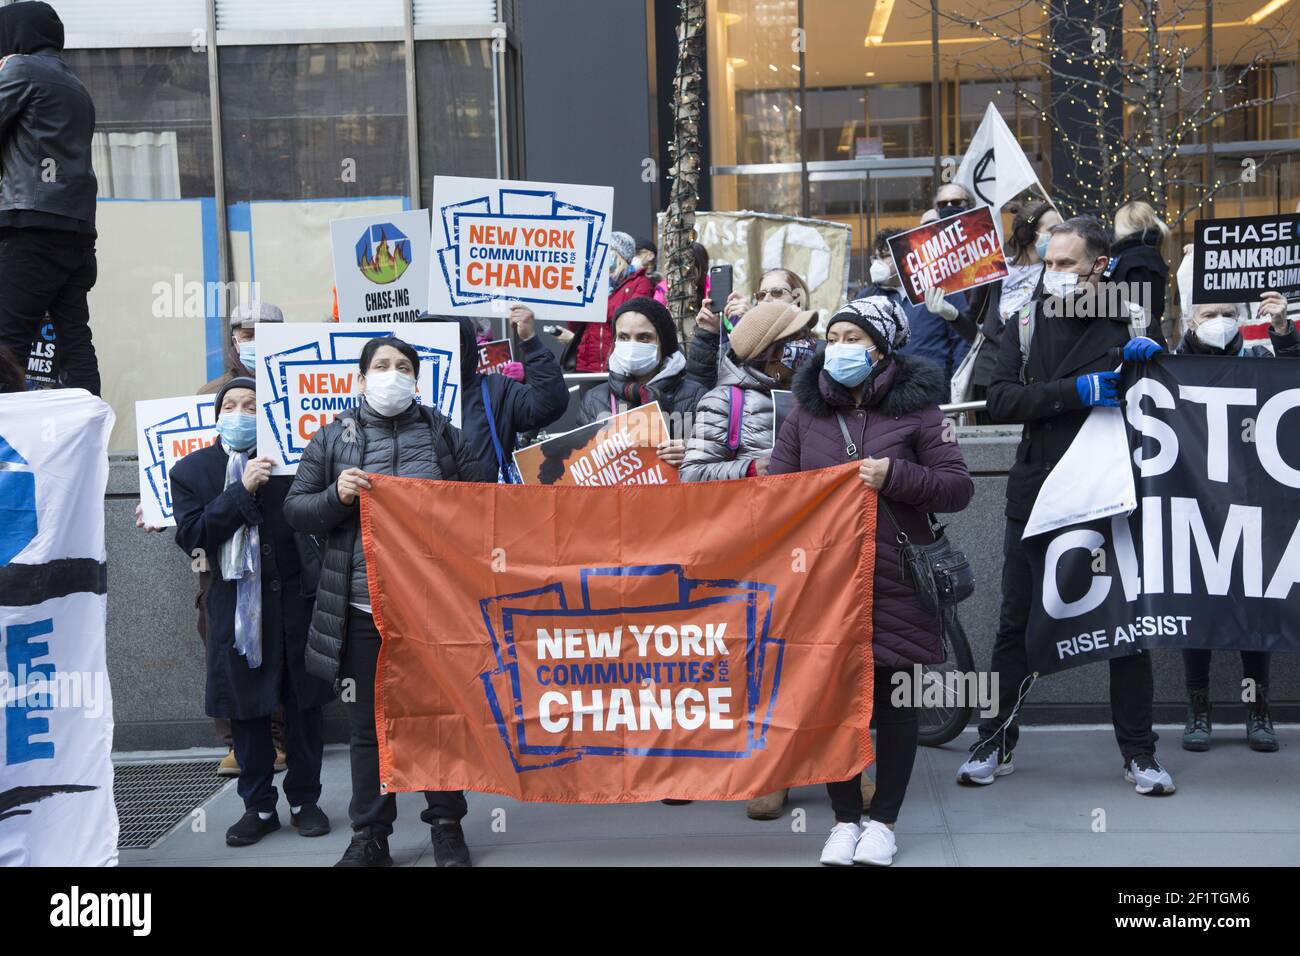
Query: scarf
(241,562)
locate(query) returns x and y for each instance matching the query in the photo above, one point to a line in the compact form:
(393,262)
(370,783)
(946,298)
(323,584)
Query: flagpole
(936,95)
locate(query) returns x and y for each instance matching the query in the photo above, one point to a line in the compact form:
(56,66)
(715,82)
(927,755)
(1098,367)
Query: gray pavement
(1066,805)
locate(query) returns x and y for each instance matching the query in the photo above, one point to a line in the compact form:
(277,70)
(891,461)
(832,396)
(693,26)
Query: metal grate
(152,798)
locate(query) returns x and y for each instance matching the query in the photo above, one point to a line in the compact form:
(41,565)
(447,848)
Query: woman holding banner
(389,433)
(861,398)
(647,365)
(1216,330)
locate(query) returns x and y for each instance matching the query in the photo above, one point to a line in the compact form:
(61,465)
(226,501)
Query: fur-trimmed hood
(904,384)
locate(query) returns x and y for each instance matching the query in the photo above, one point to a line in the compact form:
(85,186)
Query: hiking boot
(1196,734)
(449,847)
(768,806)
(250,828)
(229,766)
(1146,774)
(986,763)
(1259,723)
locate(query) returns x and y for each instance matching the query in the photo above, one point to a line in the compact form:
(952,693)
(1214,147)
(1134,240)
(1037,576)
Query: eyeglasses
(762,294)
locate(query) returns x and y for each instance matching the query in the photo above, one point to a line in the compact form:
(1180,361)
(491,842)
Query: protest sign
(753,242)
(381,266)
(493,355)
(1211,554)
(499,241)
(43,358)
(1238,260)
(614,451)
(56,769)
(166,430)
(603,654)
(957,253)
(307,373)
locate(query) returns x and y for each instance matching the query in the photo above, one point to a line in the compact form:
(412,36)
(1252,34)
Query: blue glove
(1141,349)
(1099,388)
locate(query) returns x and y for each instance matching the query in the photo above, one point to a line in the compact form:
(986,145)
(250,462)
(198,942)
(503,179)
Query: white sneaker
(876,845)
(840,845)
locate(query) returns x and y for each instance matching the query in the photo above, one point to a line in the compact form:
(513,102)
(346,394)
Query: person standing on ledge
(47,193)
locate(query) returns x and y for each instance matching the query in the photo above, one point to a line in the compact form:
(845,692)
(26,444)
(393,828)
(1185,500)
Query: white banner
(56,771)
(498,241)
(166,430)
(1093,479)
(381,266)
(307,373)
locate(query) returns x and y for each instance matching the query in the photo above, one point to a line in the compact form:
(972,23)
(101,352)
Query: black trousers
(372,812)
(1131,683)
(897,729)
(47,271)
(304,746)
(1196,664)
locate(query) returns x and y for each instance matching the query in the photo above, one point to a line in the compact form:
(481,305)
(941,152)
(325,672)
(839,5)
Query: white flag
(995,170)
(1093,479)
(56,770)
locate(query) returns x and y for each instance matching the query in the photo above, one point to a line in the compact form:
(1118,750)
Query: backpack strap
(505,469)
(735,406)
(1025,327)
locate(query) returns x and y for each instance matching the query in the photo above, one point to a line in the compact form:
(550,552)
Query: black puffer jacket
(46,119)
(359,438)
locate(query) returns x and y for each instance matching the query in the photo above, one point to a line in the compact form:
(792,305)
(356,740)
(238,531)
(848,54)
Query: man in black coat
(1076,337)
(47,193)
(222,498)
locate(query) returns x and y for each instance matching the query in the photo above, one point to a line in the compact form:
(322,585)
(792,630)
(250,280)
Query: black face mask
(947,212)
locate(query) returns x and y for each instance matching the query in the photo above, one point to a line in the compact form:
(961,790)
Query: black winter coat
(207,516)
(516,406)
(45,115)
(1137,261)
(418,443)
(1047,403)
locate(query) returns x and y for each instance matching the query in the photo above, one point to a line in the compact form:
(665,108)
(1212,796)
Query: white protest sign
(166,430)
(381,266)
(499,241)
(307,373)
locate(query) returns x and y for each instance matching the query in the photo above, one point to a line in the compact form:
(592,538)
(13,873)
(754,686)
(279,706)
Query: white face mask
(1217,332)
(633,358)
(1060,283)
(880,271)
(389,392)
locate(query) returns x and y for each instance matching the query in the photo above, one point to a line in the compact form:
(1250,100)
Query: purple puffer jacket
(899,419)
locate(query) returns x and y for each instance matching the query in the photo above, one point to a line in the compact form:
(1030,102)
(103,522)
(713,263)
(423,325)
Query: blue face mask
(247,354)
(1041,246)
(847,364)
(238,430)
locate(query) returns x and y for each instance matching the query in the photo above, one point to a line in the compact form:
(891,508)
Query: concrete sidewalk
(1233,807)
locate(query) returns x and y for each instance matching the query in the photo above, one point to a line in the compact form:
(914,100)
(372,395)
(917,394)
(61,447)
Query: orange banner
(614,645)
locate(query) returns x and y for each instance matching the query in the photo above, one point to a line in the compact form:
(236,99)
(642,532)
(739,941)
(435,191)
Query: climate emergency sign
(545,244)
(960,252)
(1238,260)
(308,374)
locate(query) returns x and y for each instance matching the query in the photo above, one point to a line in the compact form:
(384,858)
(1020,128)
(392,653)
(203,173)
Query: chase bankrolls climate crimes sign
(1238,260)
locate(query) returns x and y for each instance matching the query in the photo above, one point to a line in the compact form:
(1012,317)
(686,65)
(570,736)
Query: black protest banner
(1238,260)
(1211,556)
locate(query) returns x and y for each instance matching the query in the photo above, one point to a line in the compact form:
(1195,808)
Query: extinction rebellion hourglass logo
(383,253)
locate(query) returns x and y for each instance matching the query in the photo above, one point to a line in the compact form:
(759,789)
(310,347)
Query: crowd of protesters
(289,580)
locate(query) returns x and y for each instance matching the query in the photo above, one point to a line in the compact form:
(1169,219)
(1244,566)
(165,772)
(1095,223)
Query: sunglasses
(762,294)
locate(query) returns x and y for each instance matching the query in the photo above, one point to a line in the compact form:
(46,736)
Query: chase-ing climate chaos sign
(381,266)
(502,241)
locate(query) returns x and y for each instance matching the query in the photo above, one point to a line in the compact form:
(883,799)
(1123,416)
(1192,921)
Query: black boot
(1196,735)
(1259,724)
